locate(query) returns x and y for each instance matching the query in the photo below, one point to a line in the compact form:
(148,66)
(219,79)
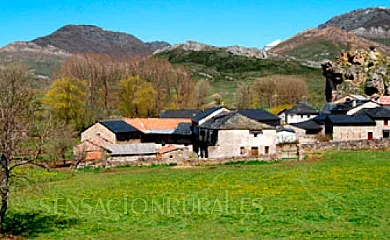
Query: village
(222,133)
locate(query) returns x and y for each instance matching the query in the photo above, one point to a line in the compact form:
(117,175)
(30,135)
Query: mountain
(324,43)
(225,71)
(93,39)
(45,54)
(234,50)
(371,23)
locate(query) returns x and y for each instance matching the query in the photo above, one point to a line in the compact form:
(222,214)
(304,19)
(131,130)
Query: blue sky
(251,23)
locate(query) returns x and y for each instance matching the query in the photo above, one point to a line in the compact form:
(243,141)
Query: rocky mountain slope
(372,23)
(234,50)
(44,54)
(326,43)
(93,39)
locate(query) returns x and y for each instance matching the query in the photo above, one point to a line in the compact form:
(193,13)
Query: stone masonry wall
(375,144)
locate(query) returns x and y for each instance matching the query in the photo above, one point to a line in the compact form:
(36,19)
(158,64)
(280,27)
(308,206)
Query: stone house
(113,131)
(299,113)
(350,127)
(234,135)
(307,131)
(381,116)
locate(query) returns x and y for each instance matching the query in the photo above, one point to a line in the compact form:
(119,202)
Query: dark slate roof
(307,125)
(234,121)
(285,130)
(183,129)
(346,106)
(118,126)
(204,113)
(258,114)
(301,109)
(350,120)
(185,113)
(320,119)
(375,113)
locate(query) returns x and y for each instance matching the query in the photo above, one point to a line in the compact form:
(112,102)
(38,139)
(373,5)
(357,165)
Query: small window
(386,122)
(242,150)
(266,150)
(255,151)
(308,116)
(255,134)
(301,116)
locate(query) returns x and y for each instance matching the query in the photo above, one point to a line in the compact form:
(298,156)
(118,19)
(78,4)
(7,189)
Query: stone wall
(374,144)
(149,161)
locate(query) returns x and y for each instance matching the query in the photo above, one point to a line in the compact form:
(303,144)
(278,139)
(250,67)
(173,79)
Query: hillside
(225,71)
(325,43)
(371,23)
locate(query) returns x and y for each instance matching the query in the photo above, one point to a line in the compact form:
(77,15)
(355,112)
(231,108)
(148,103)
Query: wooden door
(370,136)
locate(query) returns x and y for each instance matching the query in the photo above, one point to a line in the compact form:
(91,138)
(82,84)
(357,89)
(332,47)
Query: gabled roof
(118,126)
(285,130)
(258,114)
(183,129)
(301,109)
(132,149)
(346,106)
(350,120)
(234,121)
(184,113)
(375,113)
(157,125)
(307,125)
(204,113)
(320,119)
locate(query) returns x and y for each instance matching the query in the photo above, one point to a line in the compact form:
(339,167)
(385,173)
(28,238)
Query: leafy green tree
(137,97)
(66,100)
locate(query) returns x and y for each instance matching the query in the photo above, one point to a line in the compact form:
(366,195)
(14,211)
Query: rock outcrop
(370,22)
(197,47)
(358,72)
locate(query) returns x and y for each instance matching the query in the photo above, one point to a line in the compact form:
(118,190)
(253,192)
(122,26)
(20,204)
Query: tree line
(90,87)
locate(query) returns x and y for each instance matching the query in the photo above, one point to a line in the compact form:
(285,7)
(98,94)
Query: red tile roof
(154,124)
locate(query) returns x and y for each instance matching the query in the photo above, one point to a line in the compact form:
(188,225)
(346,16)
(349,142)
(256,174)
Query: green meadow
(330,195)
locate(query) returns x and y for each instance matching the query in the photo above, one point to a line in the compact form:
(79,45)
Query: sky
(250,23)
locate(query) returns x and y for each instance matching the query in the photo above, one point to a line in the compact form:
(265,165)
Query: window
(255,134)
(386,134)
(308,116)
(255,151)
(266,150)
(242,150)
(386,122)
(301,116)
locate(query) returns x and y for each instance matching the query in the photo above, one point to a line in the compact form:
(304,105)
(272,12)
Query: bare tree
(17,105)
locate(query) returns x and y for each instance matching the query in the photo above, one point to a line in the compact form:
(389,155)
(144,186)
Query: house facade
(350,128)
(299,113)
(233,135)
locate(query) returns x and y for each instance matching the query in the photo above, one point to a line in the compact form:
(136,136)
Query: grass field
(340,195)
